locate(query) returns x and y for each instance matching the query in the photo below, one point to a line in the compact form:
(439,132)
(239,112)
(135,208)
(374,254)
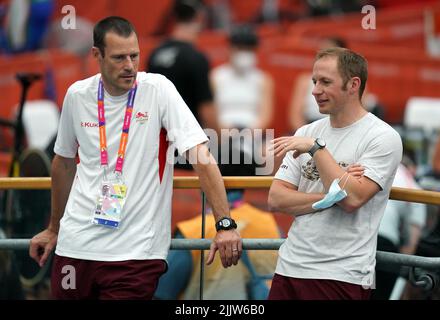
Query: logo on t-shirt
(310,172)
(165,58)
(141,117)
(89,124)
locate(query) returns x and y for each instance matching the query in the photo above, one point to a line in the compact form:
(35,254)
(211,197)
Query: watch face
(226,223)
(320,142)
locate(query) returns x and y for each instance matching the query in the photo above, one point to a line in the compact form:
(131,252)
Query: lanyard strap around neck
(125,128)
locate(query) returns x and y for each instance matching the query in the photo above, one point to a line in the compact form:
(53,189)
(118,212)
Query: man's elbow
(273,203)
(351,204)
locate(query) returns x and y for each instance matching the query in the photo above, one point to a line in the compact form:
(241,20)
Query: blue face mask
(335,194)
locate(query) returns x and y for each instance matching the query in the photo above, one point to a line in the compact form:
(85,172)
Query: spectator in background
(243,93)
(400,230)
(436,158)
(183,64)
(26,24)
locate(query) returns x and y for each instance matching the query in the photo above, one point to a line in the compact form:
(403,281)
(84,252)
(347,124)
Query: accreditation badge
(109,204)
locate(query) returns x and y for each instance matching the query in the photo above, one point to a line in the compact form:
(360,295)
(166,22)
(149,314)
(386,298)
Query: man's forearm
(211,183)
(330,170)
(327,167)
(63,173)
(293,202)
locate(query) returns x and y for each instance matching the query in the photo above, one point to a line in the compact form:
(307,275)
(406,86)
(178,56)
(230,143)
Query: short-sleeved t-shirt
(333,244)
(160,122)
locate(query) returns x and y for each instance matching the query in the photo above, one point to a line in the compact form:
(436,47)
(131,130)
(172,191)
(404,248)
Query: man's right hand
(356,170)
(42,245)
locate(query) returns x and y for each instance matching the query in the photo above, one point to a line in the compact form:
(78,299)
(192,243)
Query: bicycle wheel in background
(31,212)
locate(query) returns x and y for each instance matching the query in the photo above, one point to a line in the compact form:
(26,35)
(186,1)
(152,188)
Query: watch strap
(315,148)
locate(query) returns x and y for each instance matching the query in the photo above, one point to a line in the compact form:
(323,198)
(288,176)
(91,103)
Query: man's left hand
(229,245)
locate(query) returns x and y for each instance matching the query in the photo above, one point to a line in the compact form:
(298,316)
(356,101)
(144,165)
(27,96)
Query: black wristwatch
(319,144)
(225,224)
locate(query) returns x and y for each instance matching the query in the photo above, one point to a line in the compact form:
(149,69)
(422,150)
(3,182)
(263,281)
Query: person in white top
(111,212)
(243,95)
(400,230)
(436,158)
(330,251)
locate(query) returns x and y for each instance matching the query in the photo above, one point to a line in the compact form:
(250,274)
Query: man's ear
(354,84)
(96,52)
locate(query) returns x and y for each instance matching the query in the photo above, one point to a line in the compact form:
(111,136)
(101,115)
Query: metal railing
(261,244)
(428,279)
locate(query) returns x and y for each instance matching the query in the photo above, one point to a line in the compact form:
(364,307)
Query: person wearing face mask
(330,251)
(243,93)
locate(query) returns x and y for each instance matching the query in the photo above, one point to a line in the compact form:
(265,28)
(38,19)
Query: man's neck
(184,32)
(348,116)
(112,90)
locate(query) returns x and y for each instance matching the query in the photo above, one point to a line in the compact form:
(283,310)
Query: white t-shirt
(160,117)
(333,244)
(399,215)
(238,96)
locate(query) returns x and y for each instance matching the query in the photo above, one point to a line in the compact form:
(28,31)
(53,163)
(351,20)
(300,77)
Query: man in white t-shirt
(111,212)
(331,246)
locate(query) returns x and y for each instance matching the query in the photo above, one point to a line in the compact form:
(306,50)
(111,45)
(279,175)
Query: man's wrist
(225,223)
(317,145)
(53,228)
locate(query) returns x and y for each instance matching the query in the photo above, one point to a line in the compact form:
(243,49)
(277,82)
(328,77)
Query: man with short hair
(330,252)
(111,213)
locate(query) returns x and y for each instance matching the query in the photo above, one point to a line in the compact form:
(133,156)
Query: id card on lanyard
(113,191)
